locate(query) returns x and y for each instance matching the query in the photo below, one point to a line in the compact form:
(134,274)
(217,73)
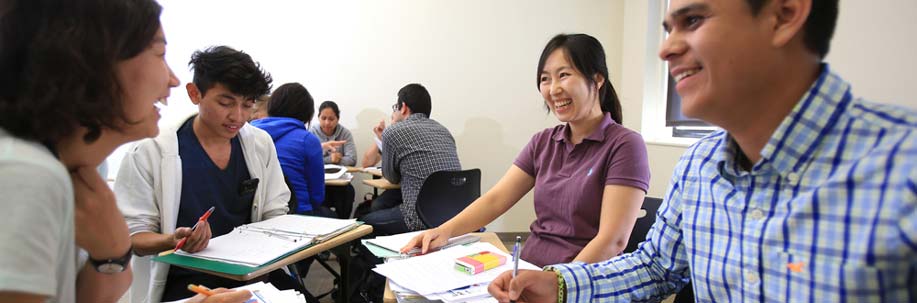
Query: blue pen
(516,259)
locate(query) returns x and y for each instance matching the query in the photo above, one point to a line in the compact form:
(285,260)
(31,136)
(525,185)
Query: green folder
(236,269)
(217,266)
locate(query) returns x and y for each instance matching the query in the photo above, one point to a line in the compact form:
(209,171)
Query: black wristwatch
(113,266)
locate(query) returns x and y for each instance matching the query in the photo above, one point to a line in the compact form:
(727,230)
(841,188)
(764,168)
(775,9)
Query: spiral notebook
(258,243)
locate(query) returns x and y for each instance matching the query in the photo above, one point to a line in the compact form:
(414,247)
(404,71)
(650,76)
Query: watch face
(110,268)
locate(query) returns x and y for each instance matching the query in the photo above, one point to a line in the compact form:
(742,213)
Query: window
(682,127)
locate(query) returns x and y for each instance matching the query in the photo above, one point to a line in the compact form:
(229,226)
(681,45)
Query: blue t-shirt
(204,185)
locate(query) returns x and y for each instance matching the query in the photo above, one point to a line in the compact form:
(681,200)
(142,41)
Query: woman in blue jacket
(299,151)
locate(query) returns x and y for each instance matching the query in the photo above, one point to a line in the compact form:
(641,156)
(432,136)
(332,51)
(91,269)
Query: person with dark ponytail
(590,174)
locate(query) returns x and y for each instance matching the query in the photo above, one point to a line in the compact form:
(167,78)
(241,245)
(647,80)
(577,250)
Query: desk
(341,244)
(381,184)
(337,182)
(489,237)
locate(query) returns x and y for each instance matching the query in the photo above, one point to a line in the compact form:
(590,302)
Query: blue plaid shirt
(829,214)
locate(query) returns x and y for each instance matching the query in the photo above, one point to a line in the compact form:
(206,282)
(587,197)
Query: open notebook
(258,243)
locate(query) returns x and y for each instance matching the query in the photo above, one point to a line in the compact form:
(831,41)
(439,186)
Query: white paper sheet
(248,248)
(436,273)
(309,225)
(266,293)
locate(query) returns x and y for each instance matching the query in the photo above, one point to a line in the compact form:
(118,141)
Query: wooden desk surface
(489,237)
(337,182)
(354,234)
(374,171)
(381,183)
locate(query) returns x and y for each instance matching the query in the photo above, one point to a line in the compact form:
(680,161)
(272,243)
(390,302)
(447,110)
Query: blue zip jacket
(300,155)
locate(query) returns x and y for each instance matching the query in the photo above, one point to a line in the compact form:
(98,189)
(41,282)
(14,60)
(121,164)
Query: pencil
(200,289)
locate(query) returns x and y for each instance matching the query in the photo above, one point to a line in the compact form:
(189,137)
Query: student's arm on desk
(620,206)
(371,157)
(514,184)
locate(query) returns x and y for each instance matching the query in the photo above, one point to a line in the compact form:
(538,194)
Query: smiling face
(145,79)
(718,54)
(221,113)
(328,121)
(567,92)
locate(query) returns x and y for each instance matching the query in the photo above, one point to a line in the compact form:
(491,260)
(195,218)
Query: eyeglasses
(395,107)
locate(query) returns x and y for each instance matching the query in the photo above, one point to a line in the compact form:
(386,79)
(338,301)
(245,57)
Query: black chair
(638,235)
(446,193)
(642,226)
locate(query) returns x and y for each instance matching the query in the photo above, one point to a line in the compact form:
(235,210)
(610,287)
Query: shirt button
(792,177)
(751,278)
(756,214)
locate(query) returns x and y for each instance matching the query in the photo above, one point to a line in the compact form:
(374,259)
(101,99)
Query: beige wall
(478,60)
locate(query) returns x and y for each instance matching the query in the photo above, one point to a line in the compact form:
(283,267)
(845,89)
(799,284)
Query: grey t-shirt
(37,249)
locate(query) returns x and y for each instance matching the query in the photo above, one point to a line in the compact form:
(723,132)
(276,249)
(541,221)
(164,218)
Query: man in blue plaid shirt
(809,193)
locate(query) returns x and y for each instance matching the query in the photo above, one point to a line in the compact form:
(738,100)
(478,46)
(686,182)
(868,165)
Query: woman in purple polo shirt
(589,174)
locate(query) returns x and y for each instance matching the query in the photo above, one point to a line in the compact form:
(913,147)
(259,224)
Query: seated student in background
(809,194)
(260,108)
(413,147)
(300,153)
(62,111)
(372,156)
(589,174)
(329,130)
(213,159)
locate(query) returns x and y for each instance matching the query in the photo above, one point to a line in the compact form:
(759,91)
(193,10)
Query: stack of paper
(259,243)
(267,293)
(434,275)
(391,245)
(318,227)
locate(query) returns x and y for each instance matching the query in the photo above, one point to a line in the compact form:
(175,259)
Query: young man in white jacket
(212,159)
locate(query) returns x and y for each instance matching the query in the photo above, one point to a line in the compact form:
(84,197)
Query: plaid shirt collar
(790,147)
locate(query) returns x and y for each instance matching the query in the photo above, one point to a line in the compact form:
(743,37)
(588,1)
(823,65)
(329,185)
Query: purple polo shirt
(569,183)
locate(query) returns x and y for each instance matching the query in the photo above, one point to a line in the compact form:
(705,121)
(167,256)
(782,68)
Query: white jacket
(148,191)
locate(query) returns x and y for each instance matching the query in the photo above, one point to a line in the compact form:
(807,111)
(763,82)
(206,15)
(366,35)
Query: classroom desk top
(381,184)
(374,171)
(337,182)
(489,237)
(341,239)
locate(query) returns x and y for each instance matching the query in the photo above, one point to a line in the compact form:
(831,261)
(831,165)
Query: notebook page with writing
(249,248)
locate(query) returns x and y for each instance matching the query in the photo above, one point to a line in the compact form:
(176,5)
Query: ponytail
(610,102)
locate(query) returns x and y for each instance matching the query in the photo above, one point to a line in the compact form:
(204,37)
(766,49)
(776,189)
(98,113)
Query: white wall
(872,49)
(478,60)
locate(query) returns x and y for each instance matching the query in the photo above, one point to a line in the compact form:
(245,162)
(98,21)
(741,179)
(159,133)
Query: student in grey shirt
(337,148)
(330,130)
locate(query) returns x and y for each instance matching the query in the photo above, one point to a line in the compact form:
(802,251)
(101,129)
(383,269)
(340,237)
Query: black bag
(366,286)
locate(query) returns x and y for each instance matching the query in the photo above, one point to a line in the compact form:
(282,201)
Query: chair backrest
(446,193)
(642,226)
(293,203)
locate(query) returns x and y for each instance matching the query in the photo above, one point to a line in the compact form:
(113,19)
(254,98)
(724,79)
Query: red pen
(199,221)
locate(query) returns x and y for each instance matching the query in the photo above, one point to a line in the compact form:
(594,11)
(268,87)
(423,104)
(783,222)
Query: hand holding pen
(196,238)
(219,295)
(516,259)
